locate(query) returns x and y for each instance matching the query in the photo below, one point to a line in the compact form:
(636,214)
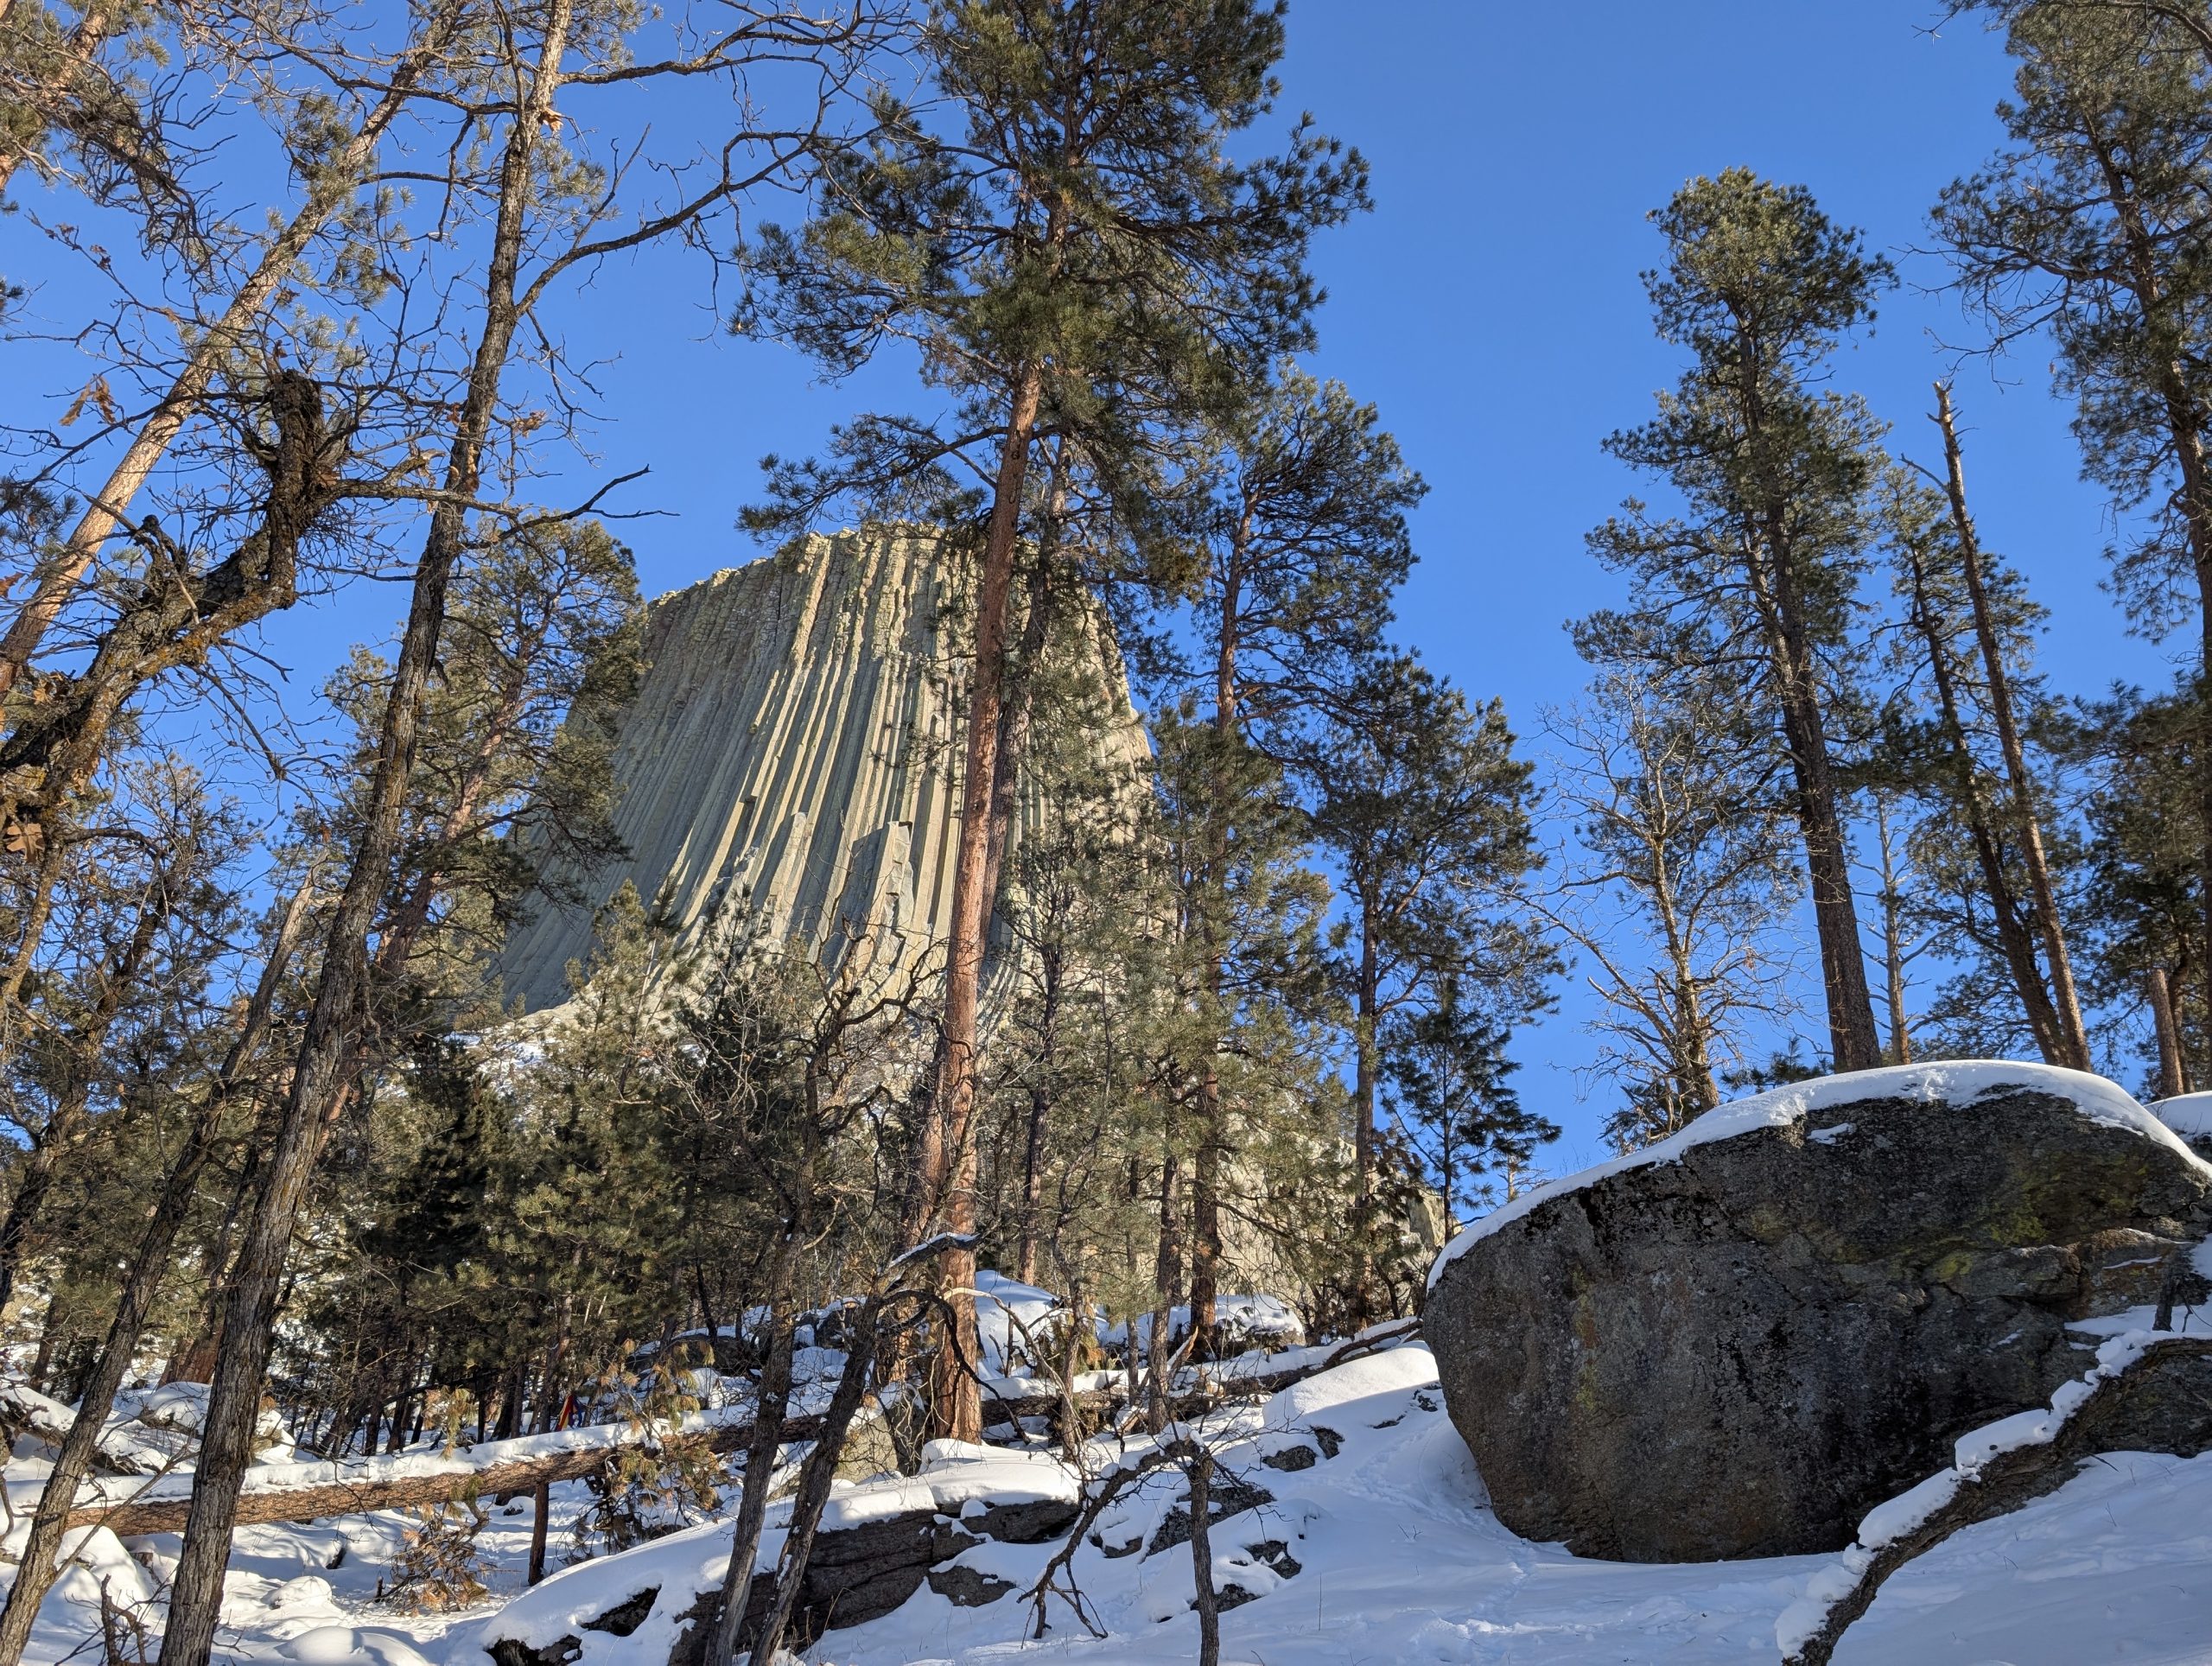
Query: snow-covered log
(25,1411)
(301,1492)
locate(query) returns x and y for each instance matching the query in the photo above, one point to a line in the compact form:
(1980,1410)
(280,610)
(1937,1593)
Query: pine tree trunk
(706,1309)
(33,1180)
(1033,1146)
(1208,1601)
(773,1404)
(541,1505)
(760,1475)
(509,1422)
(2173,1070)
(2011,937)
(2073,1036)
(1020,700)
(1014,745)
(1851,1038)
(1167,1273)
(1690,1050)
(814,1487)
(1206,1222)
(1893,939)
(955,1409)
(1213,1132)
(323,1070)
(195,1361)
(48,1332)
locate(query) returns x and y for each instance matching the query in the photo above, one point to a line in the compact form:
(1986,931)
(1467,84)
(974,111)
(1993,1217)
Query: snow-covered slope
(1400,1560)
(2188,1114)
(1397,1558)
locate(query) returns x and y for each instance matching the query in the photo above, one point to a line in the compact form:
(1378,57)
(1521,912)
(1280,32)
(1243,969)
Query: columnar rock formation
(792,760)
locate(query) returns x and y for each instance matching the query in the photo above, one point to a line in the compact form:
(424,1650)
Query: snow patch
(1950,1082)
(1889,1522)
(957,1474)
(2188,1114)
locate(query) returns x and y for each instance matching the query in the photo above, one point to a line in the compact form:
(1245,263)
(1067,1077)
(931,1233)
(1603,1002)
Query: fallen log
(25,1411)
(306,1492)
(407,1480)
(2159,1401)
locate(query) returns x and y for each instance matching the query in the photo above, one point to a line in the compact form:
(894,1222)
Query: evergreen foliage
(1761,566)
(1236,988)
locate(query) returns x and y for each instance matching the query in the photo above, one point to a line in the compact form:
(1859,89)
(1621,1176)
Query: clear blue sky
(1490,306)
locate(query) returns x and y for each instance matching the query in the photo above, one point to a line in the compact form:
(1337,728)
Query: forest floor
(1385,1552)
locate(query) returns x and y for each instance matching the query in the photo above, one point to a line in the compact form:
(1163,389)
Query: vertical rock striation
(791,761)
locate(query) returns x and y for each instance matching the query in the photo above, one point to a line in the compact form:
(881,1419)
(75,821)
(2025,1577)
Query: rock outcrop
(879,1542)
(791,761)
(1738,1342)
(857,1573)
(2147,1394)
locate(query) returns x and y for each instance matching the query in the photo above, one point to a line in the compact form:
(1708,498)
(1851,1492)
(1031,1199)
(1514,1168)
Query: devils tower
(790,763)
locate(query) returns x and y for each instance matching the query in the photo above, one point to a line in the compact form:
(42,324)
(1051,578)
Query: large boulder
(1737,1342)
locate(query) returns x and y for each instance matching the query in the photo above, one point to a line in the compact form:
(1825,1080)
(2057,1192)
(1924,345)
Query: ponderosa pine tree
(1446,1068)
(1973,843)
(2090,224)
(1241,1047)
(1302,531)
(1082,916)
(1759,566)
(2142,848)
(1068,241)
(1424,809)
(1998,639)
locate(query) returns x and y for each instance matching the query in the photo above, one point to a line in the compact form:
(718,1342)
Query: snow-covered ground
(1375,1542)
(2188,1116)
(1401,1560)
(1397,1558)
(304,1593)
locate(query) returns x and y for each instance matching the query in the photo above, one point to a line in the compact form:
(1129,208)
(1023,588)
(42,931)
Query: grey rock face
(790,761)
(856,1573)
(967,1587)
(1028,1522)
(1228,1496)
(1740,1351)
